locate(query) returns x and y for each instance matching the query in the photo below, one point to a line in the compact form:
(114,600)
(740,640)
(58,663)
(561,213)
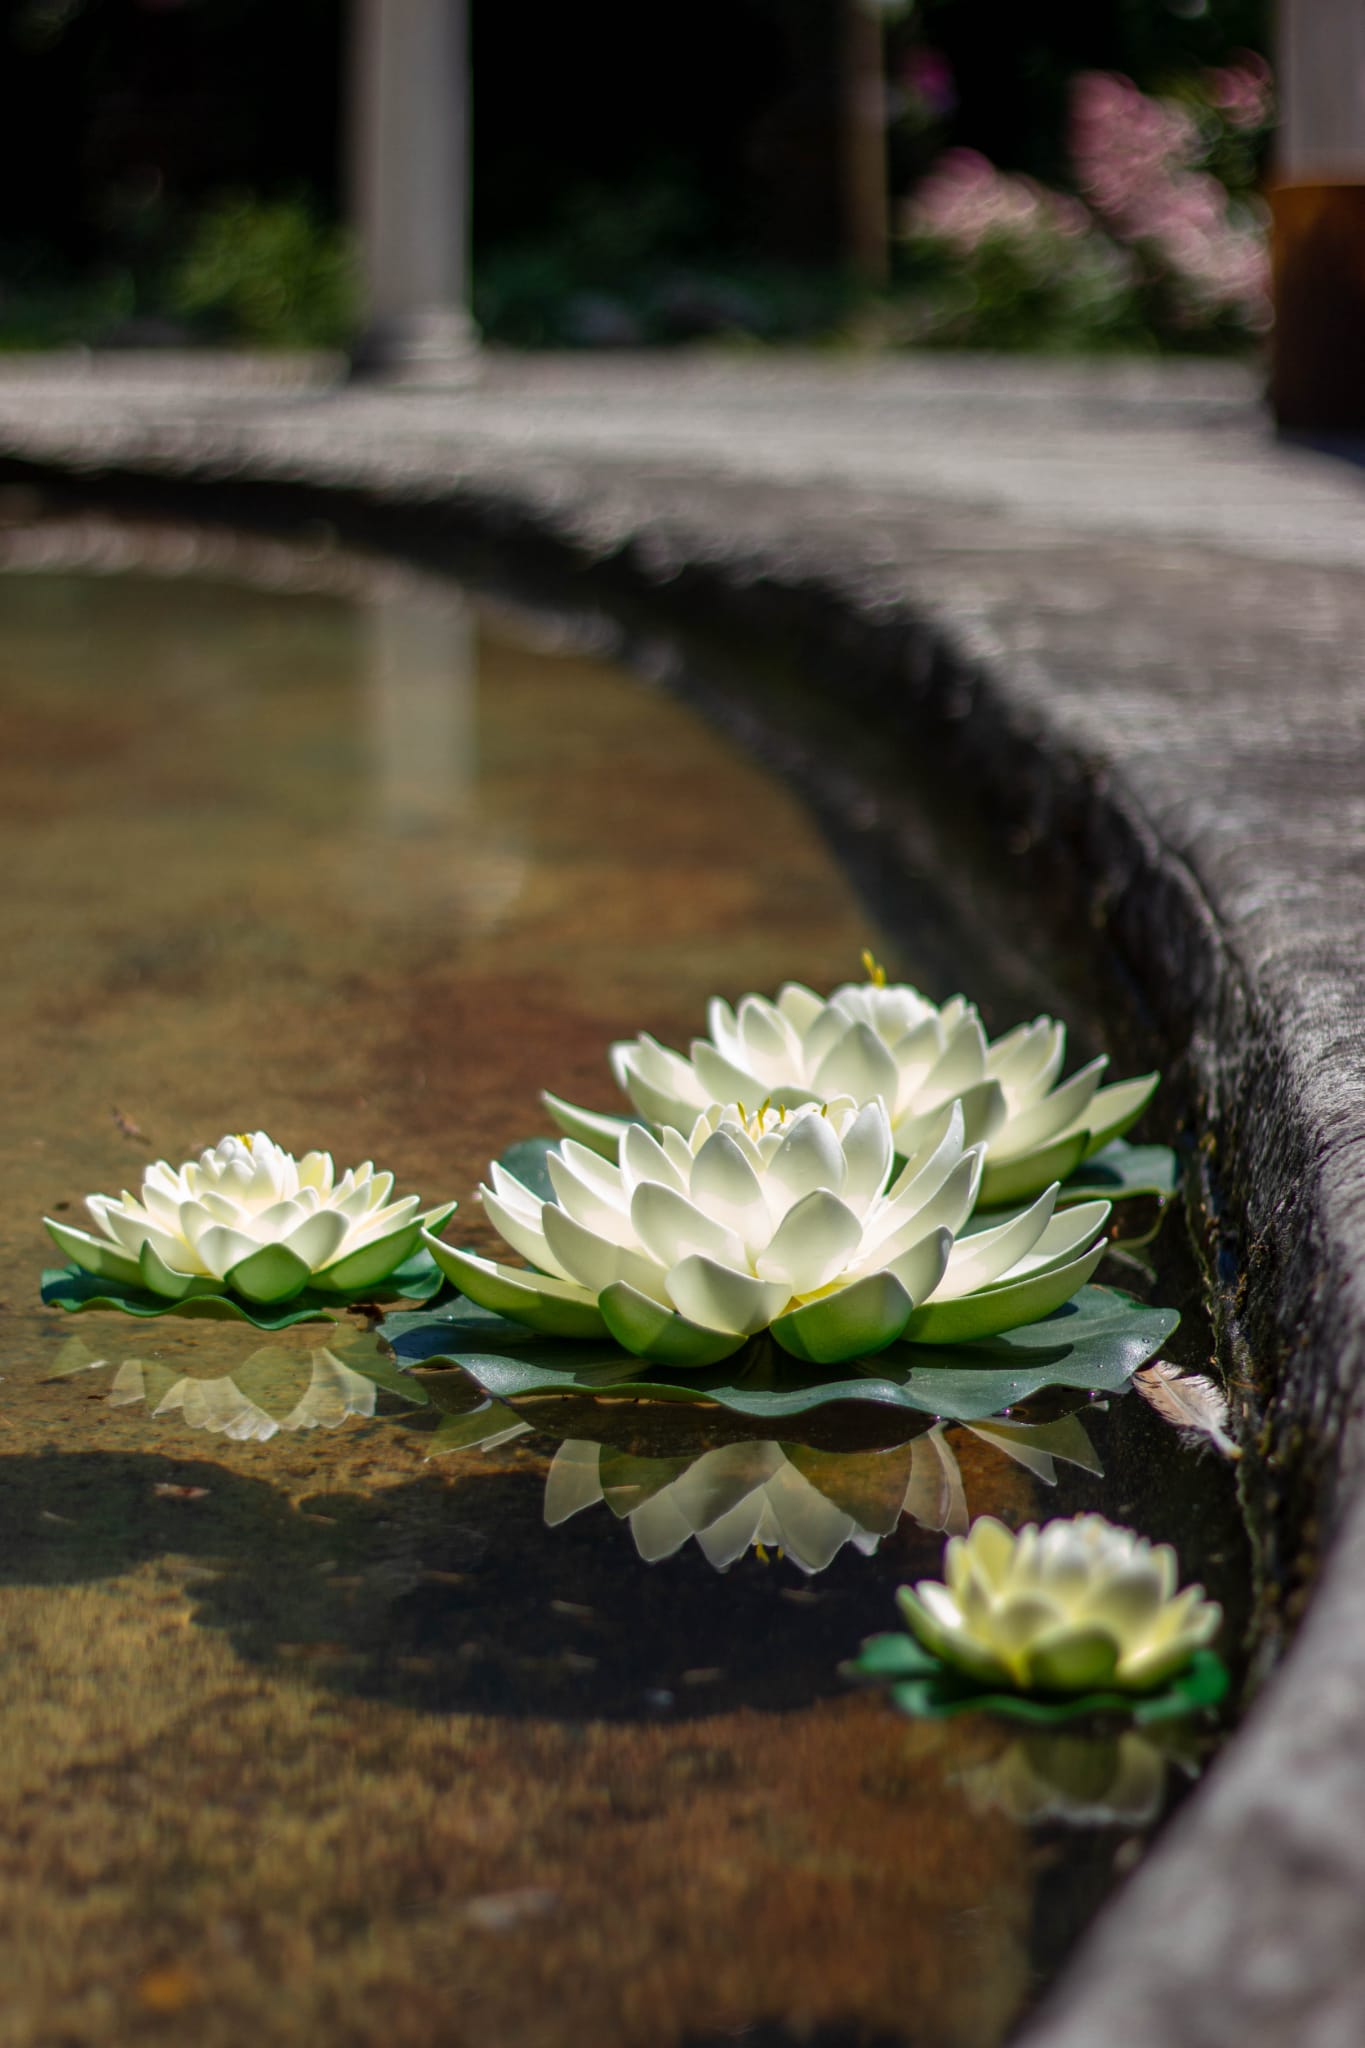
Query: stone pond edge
(1246,1924)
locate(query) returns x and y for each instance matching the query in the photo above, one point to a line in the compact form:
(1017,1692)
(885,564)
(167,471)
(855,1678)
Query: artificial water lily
(1075,1606)
(869,1040)
(248,1218)
(791,1220)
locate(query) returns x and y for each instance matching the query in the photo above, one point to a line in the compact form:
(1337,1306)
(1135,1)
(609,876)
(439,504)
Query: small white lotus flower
(249,1218)
(870,1039)
(1070,1607)
(792,1220)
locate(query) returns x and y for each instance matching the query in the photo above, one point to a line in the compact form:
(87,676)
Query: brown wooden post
(863,142)
(1317,201)
(408,153)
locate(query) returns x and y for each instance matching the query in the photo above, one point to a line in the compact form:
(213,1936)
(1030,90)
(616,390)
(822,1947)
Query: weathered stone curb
(1187,730)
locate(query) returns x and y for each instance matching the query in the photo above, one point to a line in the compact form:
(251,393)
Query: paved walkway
(1168,451)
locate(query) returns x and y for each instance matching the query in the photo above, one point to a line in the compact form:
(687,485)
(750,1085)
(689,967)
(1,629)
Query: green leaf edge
(74,1290)
(931,1690)
(506,1377)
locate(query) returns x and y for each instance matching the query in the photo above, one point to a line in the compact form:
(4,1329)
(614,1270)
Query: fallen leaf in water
(165,1490)
(168,1990)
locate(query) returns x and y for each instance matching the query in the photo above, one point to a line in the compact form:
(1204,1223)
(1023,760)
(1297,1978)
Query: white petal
(594,1261)
(963,1062)
(525,1234)
(771,1049)
(1033,1127)
(807,1156)
(722,1028)
(660,1084)
(722,1080)
(317,1171)
(276,1222)
(799,1005)
(573,1481)
(858,1065)
(723,1183)
(718,1298)
(868,1154)
(671,1227)
(943,1143)
(597,1202)
(983,1256)
(715,1483)
(920,1268)
(1073,1230)
(812,1243)
(644,1158)
(318,1239)
(220,1249)
(1027,1061)
(659,1527)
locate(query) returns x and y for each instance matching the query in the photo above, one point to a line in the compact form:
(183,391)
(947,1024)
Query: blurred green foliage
(269,273)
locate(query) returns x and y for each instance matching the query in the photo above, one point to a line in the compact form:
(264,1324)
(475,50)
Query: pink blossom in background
(1124,144)
(1136,162)
(1243,91)
(964,198)
(926,76)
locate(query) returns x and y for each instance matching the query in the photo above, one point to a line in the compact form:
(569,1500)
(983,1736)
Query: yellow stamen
(873,969)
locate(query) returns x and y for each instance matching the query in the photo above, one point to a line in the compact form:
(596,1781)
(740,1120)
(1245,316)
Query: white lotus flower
(793,1221)
(249,1218)
(871,1040)
(1069,1607)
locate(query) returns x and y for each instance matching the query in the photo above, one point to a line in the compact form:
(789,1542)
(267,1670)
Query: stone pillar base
(436,350)
(1317,379)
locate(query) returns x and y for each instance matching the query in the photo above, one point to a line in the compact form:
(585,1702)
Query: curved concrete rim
(1184,723)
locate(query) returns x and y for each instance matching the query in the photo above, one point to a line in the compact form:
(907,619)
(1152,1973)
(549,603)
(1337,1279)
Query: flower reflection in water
(1116,1779)
(806,1504)
(273,1390)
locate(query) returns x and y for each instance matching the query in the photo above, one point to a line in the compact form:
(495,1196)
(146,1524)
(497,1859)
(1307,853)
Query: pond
(308,1734)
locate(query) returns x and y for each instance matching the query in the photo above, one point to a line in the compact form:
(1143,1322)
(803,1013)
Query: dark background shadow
(457,1599)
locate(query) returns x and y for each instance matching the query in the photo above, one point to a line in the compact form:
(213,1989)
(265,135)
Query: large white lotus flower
(248,1218)
(1067,1608)
(793,1221)
(871,1040)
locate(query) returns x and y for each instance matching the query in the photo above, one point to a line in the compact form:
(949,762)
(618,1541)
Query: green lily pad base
(1121,1171)
(1095,1343)
(924,1686)
(73,1289)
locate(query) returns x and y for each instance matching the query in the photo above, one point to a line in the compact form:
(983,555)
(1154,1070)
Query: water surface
(306,1735)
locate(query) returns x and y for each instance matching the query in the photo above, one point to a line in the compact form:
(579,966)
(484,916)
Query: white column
(1321,89)
(1317,203)
(409,174)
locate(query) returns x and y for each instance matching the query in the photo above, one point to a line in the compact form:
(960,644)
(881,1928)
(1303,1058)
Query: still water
(306,1734)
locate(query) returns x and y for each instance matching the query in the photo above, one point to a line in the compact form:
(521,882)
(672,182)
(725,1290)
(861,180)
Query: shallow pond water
(306,1734)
